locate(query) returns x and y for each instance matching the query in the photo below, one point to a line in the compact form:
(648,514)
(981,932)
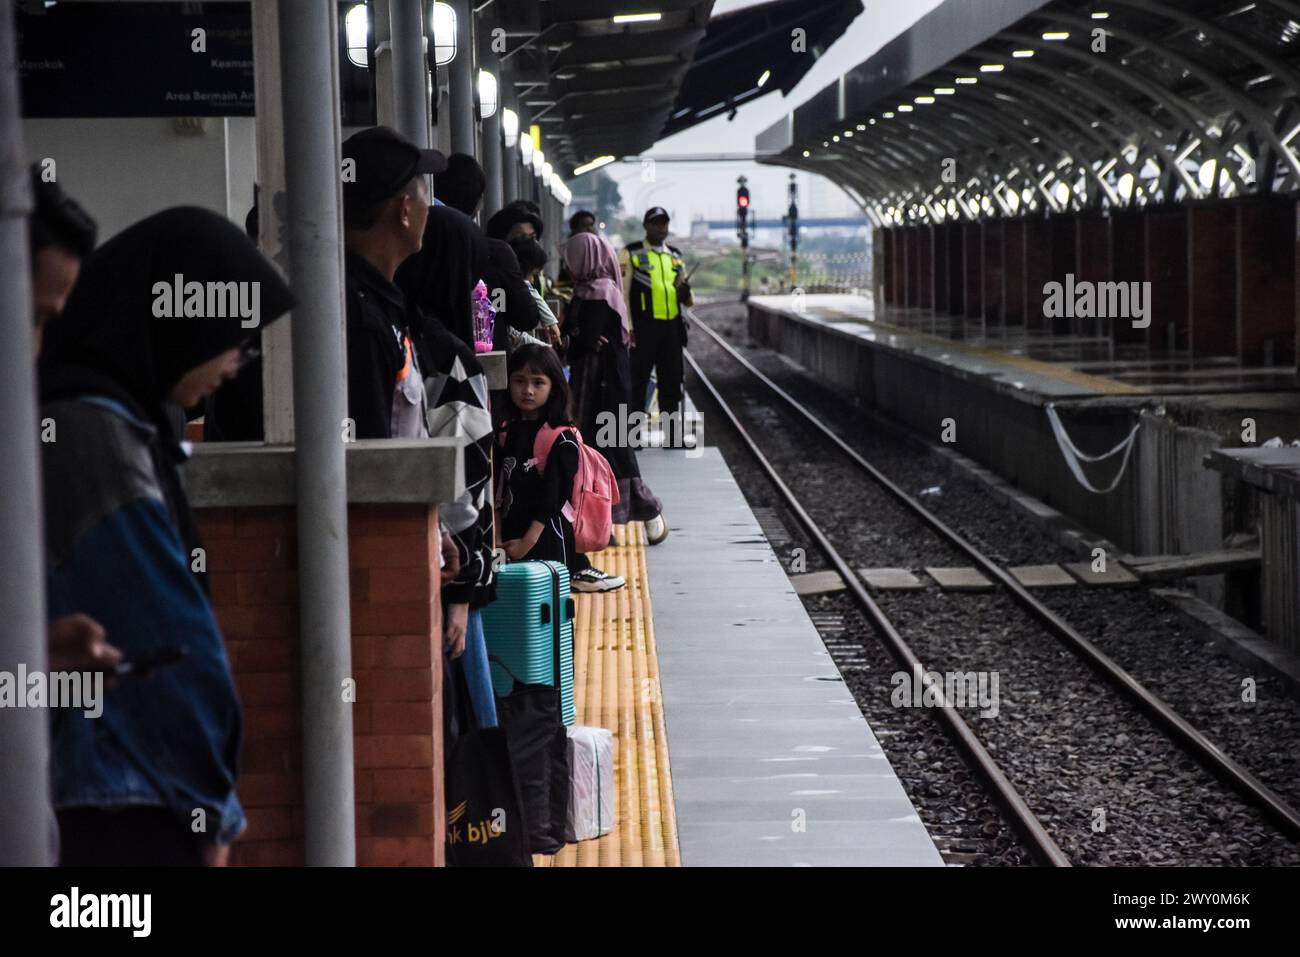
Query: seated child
(530,501)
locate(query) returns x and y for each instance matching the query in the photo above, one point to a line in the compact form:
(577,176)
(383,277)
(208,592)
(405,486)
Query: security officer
(654,284)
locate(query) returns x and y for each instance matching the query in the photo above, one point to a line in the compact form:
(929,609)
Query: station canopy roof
(598,87)
(1005,107)
(593,85)
(756,44)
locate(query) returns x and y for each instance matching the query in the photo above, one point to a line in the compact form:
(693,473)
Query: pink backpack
(595,492)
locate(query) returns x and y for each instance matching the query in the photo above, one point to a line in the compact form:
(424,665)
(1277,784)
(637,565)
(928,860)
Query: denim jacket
(114,553)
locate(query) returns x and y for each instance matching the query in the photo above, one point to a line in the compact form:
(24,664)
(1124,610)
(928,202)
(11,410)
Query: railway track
(1033,831)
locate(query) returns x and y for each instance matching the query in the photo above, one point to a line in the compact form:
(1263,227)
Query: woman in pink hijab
(600,333)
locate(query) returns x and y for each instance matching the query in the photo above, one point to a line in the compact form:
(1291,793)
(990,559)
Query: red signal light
(742,201)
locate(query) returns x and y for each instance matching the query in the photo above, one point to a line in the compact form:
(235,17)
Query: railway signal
(743,215)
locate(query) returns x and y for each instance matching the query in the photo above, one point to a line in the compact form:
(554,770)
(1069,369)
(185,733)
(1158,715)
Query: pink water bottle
(484,318)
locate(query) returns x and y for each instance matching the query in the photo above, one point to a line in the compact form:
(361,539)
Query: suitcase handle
(546,614)
(569,611)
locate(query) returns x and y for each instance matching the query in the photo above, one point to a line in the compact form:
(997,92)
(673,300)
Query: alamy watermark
(55,689)
(74,909)
(1082,299)
(208,300)
(954,689)
(638,430)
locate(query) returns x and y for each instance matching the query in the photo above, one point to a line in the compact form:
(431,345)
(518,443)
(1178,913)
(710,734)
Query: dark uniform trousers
(659,344)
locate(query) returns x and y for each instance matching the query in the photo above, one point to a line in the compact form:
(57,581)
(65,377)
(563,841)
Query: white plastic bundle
(591,783)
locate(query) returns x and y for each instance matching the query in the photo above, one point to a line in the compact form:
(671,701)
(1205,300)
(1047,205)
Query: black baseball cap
(654,212)
(385,162)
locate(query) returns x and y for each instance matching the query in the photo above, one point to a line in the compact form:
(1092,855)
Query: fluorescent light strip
(992,68)
(597,163)
(637,17)
(1057,35)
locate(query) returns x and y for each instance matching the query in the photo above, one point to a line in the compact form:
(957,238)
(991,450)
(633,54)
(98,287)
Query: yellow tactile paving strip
(1102,384)
(616,686)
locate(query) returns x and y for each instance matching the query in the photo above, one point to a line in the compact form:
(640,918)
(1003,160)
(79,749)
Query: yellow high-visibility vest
(662,269)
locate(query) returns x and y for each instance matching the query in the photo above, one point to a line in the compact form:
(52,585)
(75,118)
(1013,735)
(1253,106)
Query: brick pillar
(1013,273)
(397,664)
(925,264)
(956,270)
(888,266)
(939,261)
(1166,266)
(879,261)
(1128,262)
(1064,261)
(907,277)
(993,317)
(973,264)
(1212,280)
(1038,272)
(1093,264)
(1266,281)
(896,270)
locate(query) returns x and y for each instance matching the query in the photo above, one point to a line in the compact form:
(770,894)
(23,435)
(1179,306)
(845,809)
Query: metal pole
(509,154)
(462,80)
(277,341)
(492,158)
(517,181)
(25,837)
(410,75)
(312,147)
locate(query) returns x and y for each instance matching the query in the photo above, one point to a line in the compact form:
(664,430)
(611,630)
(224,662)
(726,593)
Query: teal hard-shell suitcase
(530,628)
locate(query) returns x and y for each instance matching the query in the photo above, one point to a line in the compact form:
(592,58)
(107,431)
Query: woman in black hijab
(157,320)
(440,278)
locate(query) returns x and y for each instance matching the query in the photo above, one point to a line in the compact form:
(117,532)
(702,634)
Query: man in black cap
(654,284)
(385,205)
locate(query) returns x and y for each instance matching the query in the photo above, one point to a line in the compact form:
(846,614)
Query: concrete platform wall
(1166,502)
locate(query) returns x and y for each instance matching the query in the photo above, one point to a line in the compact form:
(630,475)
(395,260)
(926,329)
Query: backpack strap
(547,436)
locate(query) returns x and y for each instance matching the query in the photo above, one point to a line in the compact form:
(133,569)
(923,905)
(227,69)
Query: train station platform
(772,762)
(992,402)
(736,741)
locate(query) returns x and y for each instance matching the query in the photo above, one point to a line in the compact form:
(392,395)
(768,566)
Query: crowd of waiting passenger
(427,292)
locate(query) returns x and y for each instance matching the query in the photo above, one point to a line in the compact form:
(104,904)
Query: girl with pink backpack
(554,493)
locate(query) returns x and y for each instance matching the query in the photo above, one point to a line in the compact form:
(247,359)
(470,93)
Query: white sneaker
(656,530)
(593,579)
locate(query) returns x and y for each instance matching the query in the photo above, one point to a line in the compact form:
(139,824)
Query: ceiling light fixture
(597,163)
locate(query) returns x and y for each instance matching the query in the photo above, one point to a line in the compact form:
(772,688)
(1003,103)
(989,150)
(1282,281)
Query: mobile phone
(143,665)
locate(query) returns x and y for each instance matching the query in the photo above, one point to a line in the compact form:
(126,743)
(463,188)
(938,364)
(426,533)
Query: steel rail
(1201,747)
(1044,848)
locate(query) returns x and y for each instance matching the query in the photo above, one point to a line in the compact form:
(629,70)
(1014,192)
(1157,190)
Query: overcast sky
(688,190)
